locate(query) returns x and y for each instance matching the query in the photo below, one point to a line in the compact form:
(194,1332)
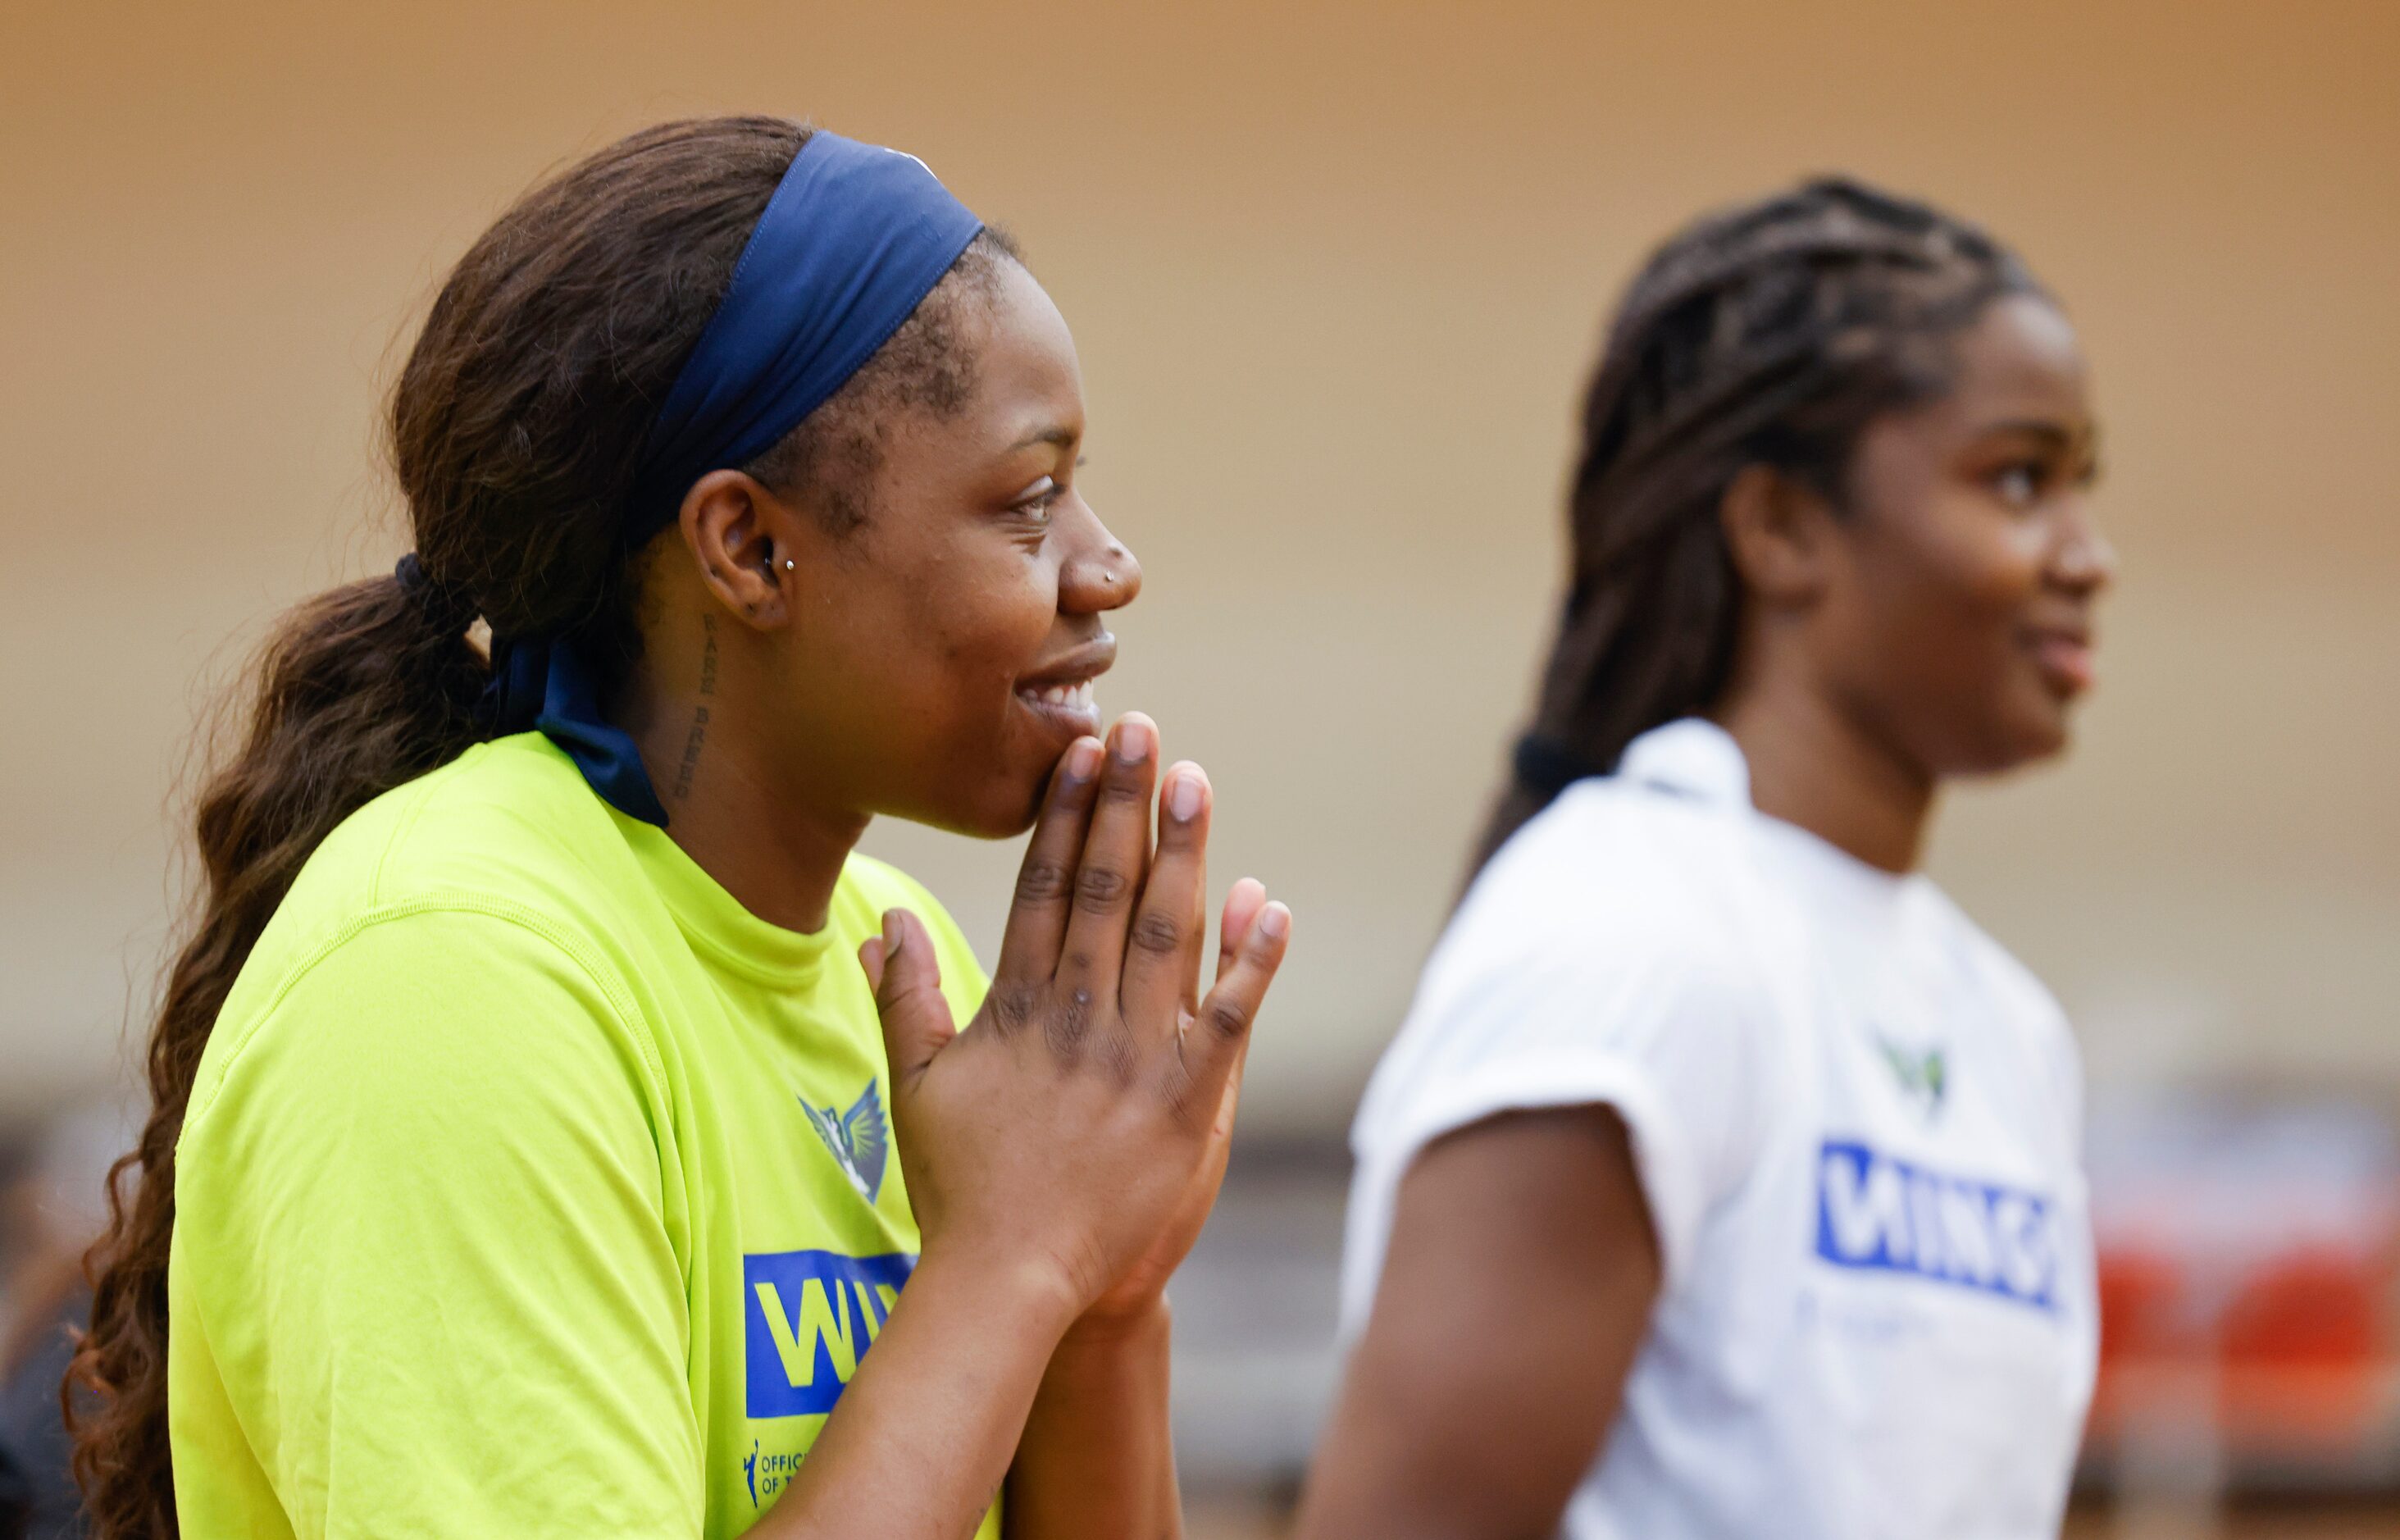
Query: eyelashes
(1038,499)
(1035,506)
(2024,484)
(2020,485)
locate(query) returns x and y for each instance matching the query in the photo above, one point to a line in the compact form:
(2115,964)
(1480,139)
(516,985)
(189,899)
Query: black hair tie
(1546,767)
(445,602)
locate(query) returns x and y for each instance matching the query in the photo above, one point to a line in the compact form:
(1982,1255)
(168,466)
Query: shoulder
(442,1018)
(1609,939)
(1661,851)
(509,824)
(1612,954)
(513,817)
(508,831)
(1611,883)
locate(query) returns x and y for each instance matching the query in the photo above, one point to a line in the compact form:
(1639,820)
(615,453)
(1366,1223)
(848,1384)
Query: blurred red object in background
(2249,1282)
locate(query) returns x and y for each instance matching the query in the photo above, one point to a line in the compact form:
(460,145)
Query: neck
(774,850)
(1812,766)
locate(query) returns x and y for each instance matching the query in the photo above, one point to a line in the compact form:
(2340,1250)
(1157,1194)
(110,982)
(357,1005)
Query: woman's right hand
(1055,1140)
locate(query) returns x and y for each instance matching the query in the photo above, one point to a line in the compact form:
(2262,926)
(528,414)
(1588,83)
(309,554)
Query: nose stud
(787,564)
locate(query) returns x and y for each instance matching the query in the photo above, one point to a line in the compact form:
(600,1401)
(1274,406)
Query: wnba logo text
(807,1318)
(1889,1216)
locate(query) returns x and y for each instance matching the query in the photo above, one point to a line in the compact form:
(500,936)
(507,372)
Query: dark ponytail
(1770,334)
(514,428)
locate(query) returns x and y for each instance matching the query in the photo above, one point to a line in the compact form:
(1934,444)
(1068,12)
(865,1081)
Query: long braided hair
(1770,334)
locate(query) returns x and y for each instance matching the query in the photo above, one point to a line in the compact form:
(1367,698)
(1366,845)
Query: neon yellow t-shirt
(530,1185)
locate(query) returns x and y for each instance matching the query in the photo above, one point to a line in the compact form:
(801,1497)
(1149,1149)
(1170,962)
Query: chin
(2002,732)
(2047,728)
(1001,807)
(1007,825)
(2027,740)
(2054,740)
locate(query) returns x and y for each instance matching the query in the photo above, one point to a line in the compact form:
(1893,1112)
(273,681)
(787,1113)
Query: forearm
(923,1435)
(1097,1457)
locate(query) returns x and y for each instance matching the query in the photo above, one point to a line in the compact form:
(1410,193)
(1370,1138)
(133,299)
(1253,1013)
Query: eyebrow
(2035,427)
(1062,437)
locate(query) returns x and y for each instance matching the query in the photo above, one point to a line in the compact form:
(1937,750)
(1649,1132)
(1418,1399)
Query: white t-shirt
(1855,1122)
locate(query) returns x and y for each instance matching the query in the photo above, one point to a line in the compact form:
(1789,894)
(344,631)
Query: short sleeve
(423,1237)
(1517,1017)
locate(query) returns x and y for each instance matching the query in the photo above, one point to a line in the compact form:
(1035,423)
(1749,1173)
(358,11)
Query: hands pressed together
(1072,1141)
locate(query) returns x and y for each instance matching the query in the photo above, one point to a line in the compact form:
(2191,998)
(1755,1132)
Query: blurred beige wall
(1336,271)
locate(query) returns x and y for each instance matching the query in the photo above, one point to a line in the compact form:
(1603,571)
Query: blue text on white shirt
(1887,1215)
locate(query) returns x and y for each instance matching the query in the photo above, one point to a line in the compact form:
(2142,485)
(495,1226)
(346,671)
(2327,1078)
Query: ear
(1780,534)
(744,540)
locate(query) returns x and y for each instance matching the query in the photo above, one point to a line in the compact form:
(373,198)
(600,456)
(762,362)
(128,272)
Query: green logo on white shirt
(1924,1075)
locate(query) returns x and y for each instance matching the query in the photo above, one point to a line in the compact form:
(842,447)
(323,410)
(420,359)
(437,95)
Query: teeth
(1069,697)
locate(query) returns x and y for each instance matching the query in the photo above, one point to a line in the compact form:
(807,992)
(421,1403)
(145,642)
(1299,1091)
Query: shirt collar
(1691,758)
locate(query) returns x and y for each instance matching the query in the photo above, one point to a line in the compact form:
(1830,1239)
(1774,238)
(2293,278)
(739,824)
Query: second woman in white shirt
(1723,1181)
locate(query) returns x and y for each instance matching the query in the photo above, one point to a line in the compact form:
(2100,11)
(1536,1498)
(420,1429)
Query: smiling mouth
(1071,696)
(1061,692)
(2064,659)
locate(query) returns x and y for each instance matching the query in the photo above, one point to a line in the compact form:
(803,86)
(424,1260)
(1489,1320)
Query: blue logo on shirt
(1887,1215)
(807,1318)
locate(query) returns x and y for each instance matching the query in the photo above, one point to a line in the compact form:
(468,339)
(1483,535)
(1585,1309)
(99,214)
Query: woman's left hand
(1138,1291)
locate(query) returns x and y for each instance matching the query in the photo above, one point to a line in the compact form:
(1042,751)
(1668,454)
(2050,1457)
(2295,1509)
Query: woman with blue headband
(551,1110)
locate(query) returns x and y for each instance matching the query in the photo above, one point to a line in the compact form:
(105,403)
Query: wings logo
(857,1139)
(1923,1074)
(807,1318)
(1885,1215)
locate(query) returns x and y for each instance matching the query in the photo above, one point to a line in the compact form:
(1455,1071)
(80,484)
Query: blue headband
(855,237)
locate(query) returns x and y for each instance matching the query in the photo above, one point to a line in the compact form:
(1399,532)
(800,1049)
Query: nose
(2083,559)
(1101,574)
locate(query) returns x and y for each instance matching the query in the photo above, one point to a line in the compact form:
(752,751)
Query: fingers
(1242,906)
(1116,857)
(1214,1044)
(1229,1105)
(1045,882)
(870,958)
(1162,968)
(907,980)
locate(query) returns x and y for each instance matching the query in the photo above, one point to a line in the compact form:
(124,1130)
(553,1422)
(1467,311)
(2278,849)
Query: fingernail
(1083,759)
(1136,739)
(1184,796)
(1273,922)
